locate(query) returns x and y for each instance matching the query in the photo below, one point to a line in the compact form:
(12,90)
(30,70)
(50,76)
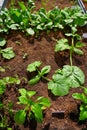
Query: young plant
(6,109)
(66,78)
(73,47)
(6,53)
(32,108)
(34,67)
(7,80)
(83,107)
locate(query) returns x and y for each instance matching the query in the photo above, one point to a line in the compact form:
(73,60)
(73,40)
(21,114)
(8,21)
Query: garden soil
(63,113)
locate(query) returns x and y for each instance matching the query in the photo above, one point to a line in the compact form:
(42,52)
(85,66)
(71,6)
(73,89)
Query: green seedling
(83,106)
(73,47)
(32,108)
(66,78)
(6,53)
(2,69)
(7,110)
(34,67)
(7,80)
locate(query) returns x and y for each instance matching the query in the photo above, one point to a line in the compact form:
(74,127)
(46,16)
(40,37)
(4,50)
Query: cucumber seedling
(34,67)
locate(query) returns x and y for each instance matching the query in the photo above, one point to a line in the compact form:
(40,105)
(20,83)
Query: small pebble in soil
(58,114)
(84,37)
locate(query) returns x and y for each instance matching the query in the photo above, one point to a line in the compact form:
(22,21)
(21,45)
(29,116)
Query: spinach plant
(6,53)
(32,108)
(34,67)
(83,107)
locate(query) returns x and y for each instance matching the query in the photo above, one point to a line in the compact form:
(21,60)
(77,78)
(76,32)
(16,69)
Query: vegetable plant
(66,78)
(34,67)
(33,109)
(83,106)
(6,53)
(73,47)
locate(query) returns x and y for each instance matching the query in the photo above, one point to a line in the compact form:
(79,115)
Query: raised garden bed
(38,41)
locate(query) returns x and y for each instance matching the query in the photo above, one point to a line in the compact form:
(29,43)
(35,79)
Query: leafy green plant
(73,47)
(66,78)
(6,53)
(32,109)
(34,67)
(7,80)
(83,107)
(6,108)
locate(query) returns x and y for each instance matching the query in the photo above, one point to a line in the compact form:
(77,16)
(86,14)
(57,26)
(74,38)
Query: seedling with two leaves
(34,67)
(33,109)
(6,53)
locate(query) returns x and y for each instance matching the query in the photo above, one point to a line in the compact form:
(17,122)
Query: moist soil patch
(64,111)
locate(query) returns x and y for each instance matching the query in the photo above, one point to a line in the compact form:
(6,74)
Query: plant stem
(46,78)
(71,51)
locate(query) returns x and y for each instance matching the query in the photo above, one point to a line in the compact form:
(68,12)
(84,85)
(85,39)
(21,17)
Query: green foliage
(33,109)
(7,109)
(7,80)
(63,45)
(40,73)
(66,78)
(2,69)
(32,22)
(6,53)
(83,107)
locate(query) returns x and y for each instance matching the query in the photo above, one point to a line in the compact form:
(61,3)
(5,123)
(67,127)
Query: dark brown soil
(63,113)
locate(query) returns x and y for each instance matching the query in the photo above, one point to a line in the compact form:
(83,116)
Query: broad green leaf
(85,90)
(20,117)
(23,100)
(68,21)
(34,80)
(78,51)
(68,34)
(79,44)
(8,53)
(83,112)
(44,102)
(77,96)
(2,42)
(74,75)
(32,67)
(45,70)
(2,69)
(30,31)
(13,26)
(11,80)
(31,93)
(36,109)
(22,91)
(59,88)
(62,45)
(22,6)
